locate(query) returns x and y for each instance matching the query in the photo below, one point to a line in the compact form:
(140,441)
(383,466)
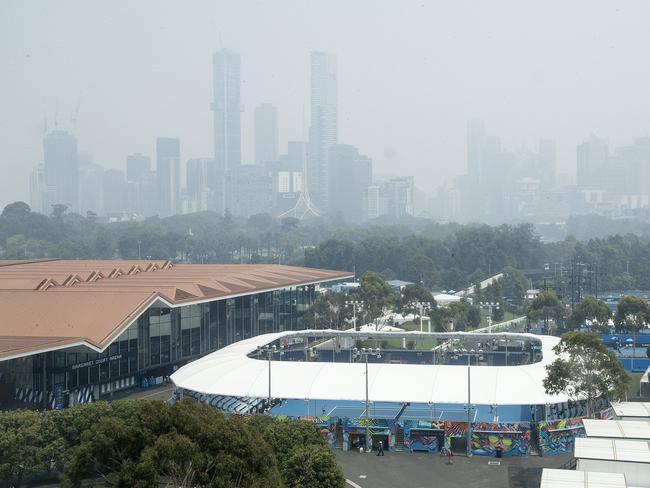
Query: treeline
(438,255)
(143,443)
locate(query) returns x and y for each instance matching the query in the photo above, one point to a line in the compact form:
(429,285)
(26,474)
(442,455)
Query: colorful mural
(512,438)
(454,429)
(423,435)
(558,436)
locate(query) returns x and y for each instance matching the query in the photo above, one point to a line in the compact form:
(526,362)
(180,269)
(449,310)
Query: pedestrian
(380,449)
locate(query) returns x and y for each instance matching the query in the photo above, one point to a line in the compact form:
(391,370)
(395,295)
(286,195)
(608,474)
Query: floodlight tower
(422,307)
(355,304)
(270,351)
(490,306)
(364,353)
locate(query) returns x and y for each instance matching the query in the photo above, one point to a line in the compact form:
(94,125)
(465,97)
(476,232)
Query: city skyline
(421,130)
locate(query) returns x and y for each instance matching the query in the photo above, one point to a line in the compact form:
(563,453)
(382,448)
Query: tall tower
(323,131)
(227,109)
(266,133)
(475,148)
(61,168)
(168,174)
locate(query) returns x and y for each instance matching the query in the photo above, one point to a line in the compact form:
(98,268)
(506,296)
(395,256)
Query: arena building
(410,390)
(74,331)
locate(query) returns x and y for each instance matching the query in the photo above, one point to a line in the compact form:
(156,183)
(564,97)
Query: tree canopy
(585,370)
(591,309)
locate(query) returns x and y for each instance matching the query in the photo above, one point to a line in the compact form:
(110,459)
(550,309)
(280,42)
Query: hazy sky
(410,75)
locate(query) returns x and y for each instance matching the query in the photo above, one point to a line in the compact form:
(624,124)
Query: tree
(585,370)
(593,310)
(16,210)
(546,306)
(632,313)
(376,294)
(412,294)
(312,466)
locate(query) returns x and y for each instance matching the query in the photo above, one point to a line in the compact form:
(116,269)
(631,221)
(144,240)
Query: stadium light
(270,351)
(490,306)
(355,304)
(423,307)
(365,352)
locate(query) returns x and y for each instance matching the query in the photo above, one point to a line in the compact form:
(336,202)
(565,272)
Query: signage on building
(59,396)
(97,361)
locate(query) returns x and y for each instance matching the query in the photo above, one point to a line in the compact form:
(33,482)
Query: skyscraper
(266,133)
(475,147)
(592,157)
(137,167)
(323,131)
(200,178)
(350,176)
(91,185)
(61,165)
(227,109)
(547,157)
(168,172)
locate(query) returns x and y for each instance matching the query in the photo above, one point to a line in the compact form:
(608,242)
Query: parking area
(414,470)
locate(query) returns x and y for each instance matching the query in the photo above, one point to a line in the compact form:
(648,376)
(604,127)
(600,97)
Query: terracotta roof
(47,305)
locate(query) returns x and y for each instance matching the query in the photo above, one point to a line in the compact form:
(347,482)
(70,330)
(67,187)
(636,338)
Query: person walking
(380,448)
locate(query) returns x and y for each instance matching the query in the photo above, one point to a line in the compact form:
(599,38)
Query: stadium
(478,393)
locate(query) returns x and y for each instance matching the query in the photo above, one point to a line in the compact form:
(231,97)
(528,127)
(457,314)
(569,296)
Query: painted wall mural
(512,438)
(423,435)
(558,436)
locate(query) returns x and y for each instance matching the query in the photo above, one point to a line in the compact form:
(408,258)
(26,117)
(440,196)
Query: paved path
(419,470)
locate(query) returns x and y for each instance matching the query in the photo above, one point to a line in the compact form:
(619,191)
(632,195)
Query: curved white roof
(230,372)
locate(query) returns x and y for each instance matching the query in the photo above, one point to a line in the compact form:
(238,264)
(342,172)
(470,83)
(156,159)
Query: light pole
(365,352)
(423,307)
(355,304)
(269,351)
(469,407)
(490,306)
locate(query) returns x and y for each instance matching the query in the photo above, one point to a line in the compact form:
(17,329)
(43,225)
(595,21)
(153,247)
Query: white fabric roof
(565,478)
(612,450)
(632,409)
(229,371)
(622,429)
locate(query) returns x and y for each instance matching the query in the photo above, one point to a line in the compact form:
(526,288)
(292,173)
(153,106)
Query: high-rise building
(116,199)
(252,189)
(399,196)
(547,156)
(350,176)
(137,167)
(91,185)
(200,178)
(475,148)
(227,109)
(592,156)
(61,166)
(38,190)
(323,131)
(266,133)
(168,172)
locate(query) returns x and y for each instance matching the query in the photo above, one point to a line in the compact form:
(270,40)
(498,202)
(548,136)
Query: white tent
(229,371)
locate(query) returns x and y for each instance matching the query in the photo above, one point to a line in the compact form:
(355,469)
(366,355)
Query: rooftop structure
(612,450)
(566,478)
(55,303)
(617,429)
(106,325)
(415,383)
(629,410)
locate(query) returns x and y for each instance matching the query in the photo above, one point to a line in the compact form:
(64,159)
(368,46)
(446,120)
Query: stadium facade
(76,331)
(479,386)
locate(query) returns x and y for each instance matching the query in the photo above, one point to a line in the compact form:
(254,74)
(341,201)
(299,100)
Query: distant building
(266,133)
(168,172)
(398,193)
(323,131)
(350,175)
(226,106)
(547,162)
(91,185)
(115,192)
(200,179)
(137,167)
(592,158)
(61,168)
(38,191)
(252,190)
